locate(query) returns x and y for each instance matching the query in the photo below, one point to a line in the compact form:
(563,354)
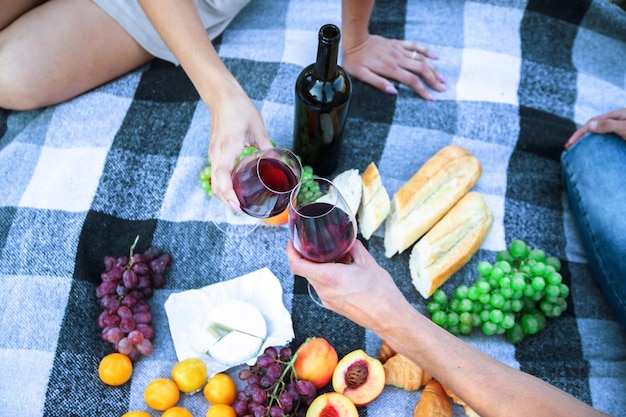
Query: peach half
(359,377)
(332,404)
(316,361)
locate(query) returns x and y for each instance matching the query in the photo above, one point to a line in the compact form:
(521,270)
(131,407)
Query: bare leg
(12,9)
(61,49)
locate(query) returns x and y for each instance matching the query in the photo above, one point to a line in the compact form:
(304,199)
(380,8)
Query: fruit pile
(513,296)
(126,284)
(280,384)
(272,387)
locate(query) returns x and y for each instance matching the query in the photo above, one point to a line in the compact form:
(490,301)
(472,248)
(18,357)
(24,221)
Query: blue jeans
(596,188)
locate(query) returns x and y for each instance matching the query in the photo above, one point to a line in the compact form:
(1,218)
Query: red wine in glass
(264,180)
(325,233)
(322,228)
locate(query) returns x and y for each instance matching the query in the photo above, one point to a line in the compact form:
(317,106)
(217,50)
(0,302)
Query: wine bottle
(322,96)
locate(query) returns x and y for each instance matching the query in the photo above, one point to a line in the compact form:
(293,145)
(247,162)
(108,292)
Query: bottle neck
(327,52)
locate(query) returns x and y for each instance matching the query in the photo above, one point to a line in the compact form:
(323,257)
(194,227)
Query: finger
(418,47)
(576,136)
(222,186)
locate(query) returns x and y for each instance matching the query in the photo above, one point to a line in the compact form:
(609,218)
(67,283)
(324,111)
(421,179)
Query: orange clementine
(177,412)
(190,375)
(136,414)
(115,369)
(220,389)
(221,410)
(278,219)
(161,394)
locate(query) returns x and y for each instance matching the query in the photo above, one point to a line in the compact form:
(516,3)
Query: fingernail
(390,89)
(593,125)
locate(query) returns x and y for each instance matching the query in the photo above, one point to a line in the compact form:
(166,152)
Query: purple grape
(106,288)
(129,300)
(141,268)
(114,273)
(122,261)
(127,325)
(135,337)
(129,277)
(275,370)
(305,388)
(264,361)
(110,303)
(136,258)
(142,317)
(109,262)
(112,334)
(124,346)
(286,401)
(159,264)
(259,396)
(134,354)
(244,374)
(145,347)
(271,351)
(141,307)
(240,407)
(146,330)
(143,281)
(124,312)
(276,411)
(121,290)
(151,253)
(285,354)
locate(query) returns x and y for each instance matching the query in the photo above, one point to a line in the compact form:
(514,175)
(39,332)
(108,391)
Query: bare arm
(377,60)
(613,122)
(366,294)
(235,120)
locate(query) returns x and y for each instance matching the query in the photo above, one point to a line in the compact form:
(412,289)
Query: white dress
(215,15)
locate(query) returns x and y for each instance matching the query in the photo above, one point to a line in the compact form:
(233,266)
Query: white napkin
(187,312)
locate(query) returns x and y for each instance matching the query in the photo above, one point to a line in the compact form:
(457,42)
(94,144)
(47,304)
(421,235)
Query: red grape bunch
(272,387)
(127,283)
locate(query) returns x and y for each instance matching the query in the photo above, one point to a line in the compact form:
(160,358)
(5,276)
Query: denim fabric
(593,172)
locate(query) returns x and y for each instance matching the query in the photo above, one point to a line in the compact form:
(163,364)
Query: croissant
(401,372)
(468,410)
(386,352)
(434,402)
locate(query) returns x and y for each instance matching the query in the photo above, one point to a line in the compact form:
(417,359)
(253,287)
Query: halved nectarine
(332,404)
(359,377)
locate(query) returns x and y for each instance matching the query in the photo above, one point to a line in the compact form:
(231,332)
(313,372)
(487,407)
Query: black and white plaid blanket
(81,179)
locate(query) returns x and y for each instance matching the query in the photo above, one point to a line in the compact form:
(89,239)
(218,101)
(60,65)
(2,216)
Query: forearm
(490,387)
(355,17)
(180,27)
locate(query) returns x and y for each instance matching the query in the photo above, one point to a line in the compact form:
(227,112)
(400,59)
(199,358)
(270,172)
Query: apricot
(316,361)
(332,404)
(359,377)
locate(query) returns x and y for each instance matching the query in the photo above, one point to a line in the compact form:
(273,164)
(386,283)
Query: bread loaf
(434,402)
(375,202)
(349,184)
(450,243)
(403,373)
(424,199)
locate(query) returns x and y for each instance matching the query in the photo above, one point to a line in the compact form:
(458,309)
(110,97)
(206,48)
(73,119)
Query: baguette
(424,199)
(434,402)
(349,184)
(450,243)
(375,202)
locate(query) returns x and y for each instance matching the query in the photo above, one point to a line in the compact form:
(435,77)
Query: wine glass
(263,182)
(322,228)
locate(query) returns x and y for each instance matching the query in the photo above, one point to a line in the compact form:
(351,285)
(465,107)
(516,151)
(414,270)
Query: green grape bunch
(513,296)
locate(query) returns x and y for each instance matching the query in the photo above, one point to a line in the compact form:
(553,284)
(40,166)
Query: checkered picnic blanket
(81,179)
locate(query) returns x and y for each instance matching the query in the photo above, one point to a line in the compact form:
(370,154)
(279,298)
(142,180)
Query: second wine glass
(322,228)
